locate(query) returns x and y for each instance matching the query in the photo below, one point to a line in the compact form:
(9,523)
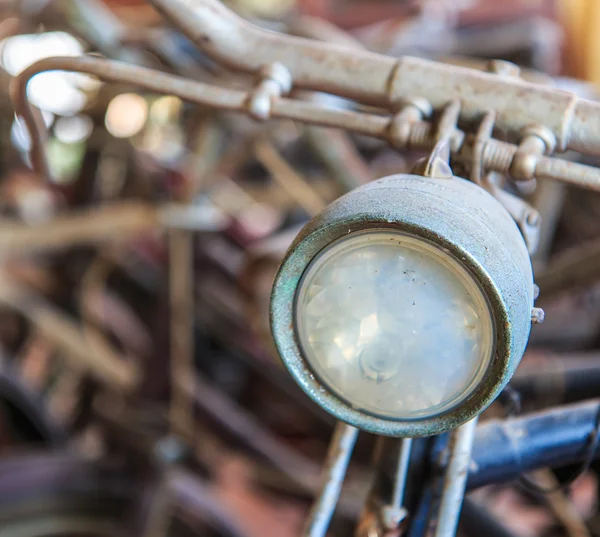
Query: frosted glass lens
(394,325)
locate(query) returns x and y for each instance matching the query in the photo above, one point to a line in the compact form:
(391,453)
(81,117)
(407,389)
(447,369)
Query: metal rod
(455,479)
(385,81)
(196,92)
(90,352)
(560,504)
(232,41)
(95,225)
(288,178)
(497,155)
(401,472)
(577,267)
(504,449)
(336,463)
(340,156)
(243,426)
(323,30)
(181,291)
(420,518)
(558,379)
(109,71)
(198,499)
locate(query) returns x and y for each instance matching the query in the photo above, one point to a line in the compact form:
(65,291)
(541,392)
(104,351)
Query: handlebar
(385,81)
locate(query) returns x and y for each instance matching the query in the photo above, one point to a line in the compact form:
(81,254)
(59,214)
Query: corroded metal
(338,456)
(469,224)
(524,110)
(455,479)
(394,513)
(88,351)
(387,81)
(399,130)
(453,214)
(385,513)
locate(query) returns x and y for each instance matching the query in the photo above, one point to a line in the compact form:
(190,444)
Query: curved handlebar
(386,81)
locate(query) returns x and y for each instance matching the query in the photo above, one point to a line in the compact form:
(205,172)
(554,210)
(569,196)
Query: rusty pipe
(232,41)
(336,464)
(119,221)
(110,71)
(322,30)
(90,352)
(574,122)
(455,479)
(497,156)
(188,90)
(385,81)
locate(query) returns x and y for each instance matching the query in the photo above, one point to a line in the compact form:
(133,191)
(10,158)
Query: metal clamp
(276,81)
(484,134)
(437,164)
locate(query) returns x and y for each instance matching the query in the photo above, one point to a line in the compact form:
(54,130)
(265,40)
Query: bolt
(537,315)
(498,156)
(276,81)
(523,166)
(407,125)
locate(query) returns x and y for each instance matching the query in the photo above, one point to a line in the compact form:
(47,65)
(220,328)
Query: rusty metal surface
(336,464)
(91,351)
(412,96)
(400,131)
(242,46)
(385,81)
(455,479)
(492,250)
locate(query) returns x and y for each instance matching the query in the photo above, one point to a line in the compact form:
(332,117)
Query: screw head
(537,315)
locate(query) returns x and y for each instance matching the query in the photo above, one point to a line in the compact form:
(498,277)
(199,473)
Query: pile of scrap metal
(139,390)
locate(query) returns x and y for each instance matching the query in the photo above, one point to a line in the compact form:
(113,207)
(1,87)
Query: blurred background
(140,393)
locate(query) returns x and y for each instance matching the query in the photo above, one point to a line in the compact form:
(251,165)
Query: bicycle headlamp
(405,307)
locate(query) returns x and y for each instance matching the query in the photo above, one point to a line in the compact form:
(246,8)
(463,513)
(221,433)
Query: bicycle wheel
(58,495)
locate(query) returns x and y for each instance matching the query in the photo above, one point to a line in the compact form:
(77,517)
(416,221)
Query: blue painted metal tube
(504,449)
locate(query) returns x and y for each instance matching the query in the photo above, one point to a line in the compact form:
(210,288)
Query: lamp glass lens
(394,325)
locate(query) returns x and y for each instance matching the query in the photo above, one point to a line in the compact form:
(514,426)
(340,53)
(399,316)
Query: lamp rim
(464,278)
(285,289)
